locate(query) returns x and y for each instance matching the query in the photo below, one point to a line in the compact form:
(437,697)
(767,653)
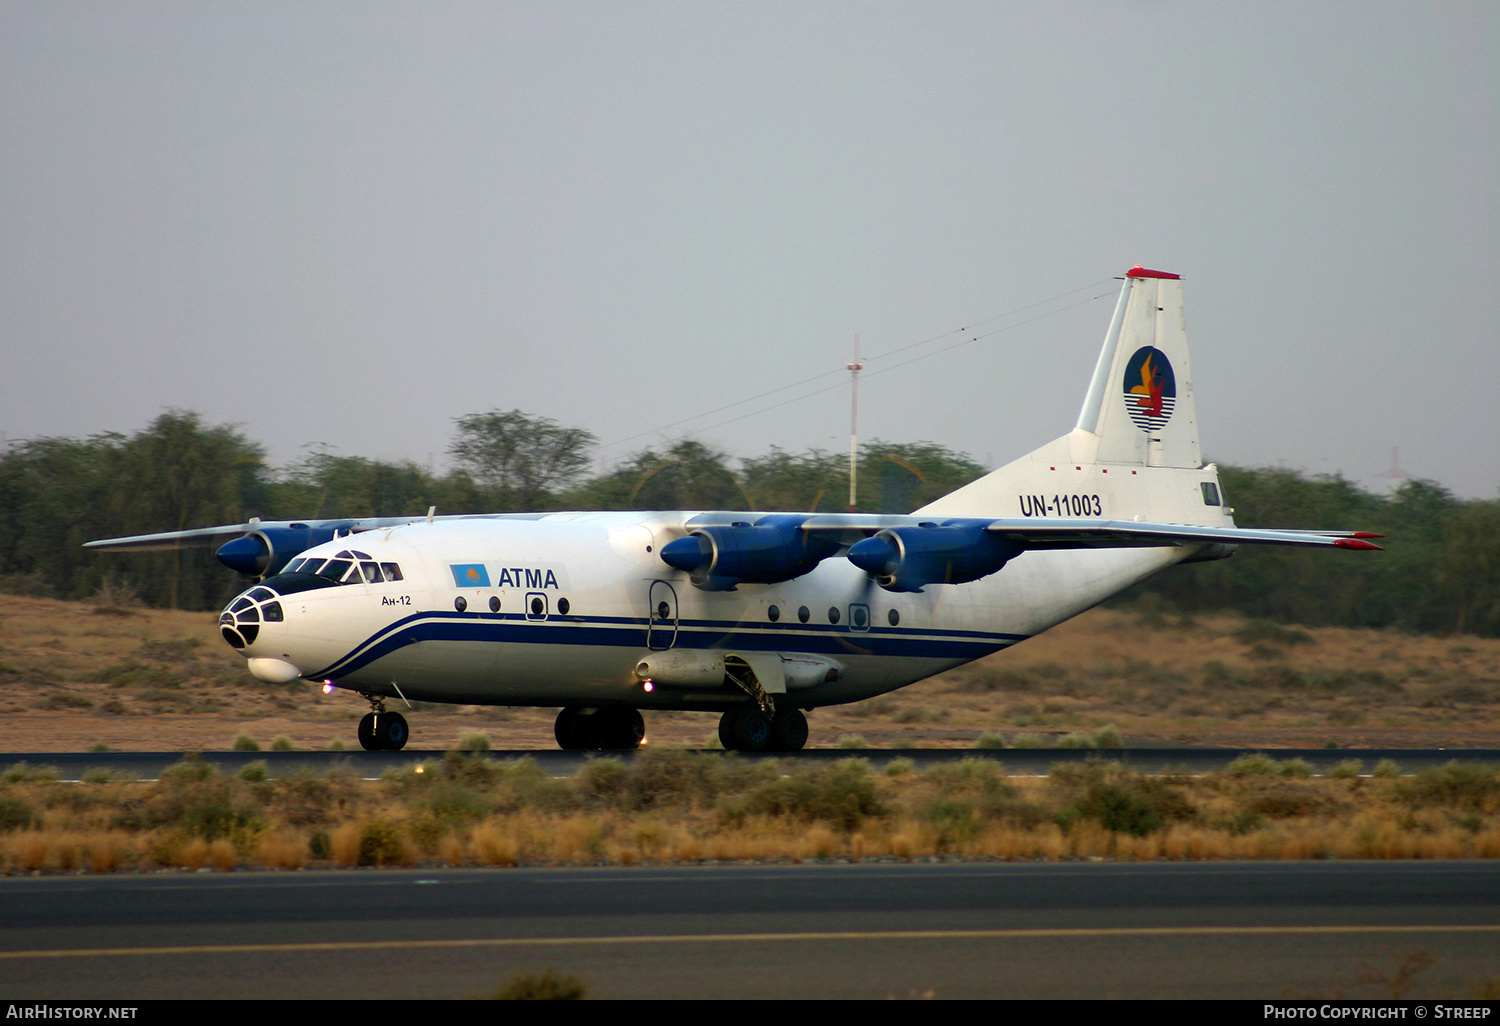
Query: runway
(1025,930)
(148,765)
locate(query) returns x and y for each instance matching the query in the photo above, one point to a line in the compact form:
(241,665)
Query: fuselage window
(804,614)
(494,603)
(392,571)
(773,613)
(1210,493)
(833,614)
(563,605)
(372,573)
(894,617)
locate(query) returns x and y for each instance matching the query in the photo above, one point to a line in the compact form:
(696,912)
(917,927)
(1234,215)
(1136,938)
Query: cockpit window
(360,555)
(291,583)
(372,573)
(335,569)
(392,571)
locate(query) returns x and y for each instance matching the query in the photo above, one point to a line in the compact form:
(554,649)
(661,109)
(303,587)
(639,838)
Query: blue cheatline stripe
(624,632)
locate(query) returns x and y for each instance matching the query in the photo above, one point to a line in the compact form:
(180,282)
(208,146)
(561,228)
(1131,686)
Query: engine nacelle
(910,558)
(262,553)
(773,549)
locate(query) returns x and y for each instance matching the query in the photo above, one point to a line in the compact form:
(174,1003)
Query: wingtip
(1357,543)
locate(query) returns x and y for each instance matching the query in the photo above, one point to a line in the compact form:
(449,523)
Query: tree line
(1441,571)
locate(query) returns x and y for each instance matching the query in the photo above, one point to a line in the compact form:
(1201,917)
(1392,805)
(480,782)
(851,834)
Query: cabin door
(661,629)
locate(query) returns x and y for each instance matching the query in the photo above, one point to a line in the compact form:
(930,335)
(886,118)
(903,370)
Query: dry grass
(687,807)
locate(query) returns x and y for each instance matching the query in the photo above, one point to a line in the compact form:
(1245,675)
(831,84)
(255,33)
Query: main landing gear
(611,728)
(381,731)
(748,729)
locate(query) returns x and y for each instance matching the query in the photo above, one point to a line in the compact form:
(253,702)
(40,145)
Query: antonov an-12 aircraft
(758,616)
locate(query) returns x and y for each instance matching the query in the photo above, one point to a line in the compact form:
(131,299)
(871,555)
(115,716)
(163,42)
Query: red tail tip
(1356,543)
(1366,534)
(1140,272)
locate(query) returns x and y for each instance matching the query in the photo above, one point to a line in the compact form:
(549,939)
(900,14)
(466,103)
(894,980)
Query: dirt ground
(76,677)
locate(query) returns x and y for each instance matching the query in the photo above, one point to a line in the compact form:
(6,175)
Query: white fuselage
(583,598)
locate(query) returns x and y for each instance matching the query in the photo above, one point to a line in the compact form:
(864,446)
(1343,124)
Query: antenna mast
(854,369)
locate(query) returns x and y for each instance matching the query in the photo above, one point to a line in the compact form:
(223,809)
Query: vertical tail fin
(1139,408)
(1134,451)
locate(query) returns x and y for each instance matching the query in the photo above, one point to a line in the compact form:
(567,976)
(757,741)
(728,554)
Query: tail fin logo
(1150,388)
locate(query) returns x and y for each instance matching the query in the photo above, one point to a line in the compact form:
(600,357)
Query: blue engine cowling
(262,553)
(772,549)
(910,558)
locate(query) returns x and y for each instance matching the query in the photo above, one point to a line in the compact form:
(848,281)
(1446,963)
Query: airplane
(757,616)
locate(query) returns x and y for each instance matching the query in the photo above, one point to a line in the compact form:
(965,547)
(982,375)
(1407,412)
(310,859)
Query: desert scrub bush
(1385,769)
(665,779)
(853,742)
(960,798)
(1455,785)
(305,797)
(372,842)
(1028,741)
(254,772)
(16,814)
(1077,741)
(1295,768)
(1268,633)
(21,773)
(900,766)
(281,743)
(549,985)
(245,743)
(1348,769)
(1253,765)
(990,739)
(1119,800)
(523,784)
(842,793)
(1108,736)
(1285,800)
(195,799)
(474,741)
(134,674)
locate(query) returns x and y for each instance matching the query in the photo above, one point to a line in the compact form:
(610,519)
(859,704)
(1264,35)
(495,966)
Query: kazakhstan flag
(470,575)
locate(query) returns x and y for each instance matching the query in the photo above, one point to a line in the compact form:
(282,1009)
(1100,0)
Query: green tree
(1468,568)
(177,474)
(522,460)
(689,475)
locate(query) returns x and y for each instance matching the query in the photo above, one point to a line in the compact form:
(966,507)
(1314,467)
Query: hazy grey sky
(351,223)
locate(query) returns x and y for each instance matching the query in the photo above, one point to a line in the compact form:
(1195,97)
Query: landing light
(648,685)
(328,687)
